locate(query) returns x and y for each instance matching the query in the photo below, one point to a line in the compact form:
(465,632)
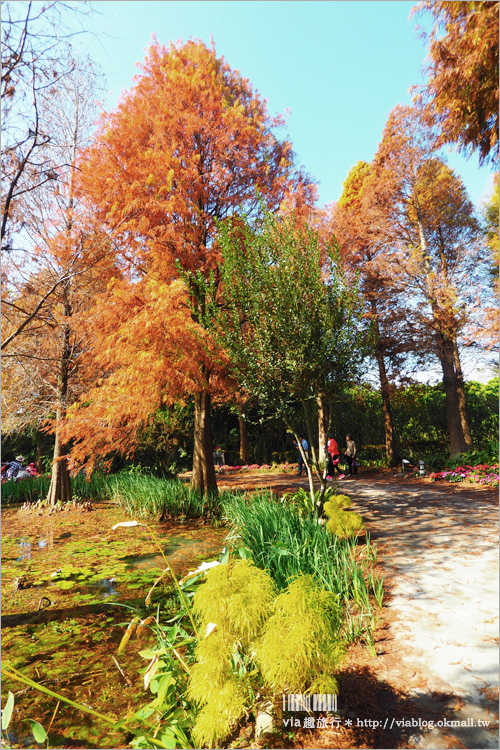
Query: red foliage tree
(461,94)
(189,145)
(361,229)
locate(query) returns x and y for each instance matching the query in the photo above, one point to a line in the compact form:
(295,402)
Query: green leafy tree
(289,319)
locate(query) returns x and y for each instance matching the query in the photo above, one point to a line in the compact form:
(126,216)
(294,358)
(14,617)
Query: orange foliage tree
(361,228)
(487,328)
(461,94)
(48,287)
(431,219)
(189,145)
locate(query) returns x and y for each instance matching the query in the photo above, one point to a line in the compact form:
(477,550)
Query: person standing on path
(305,448)
(334,455)
(350,454)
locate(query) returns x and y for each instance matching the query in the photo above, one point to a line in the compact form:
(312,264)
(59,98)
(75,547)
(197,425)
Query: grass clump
(342,523)
(36,488)
(26,490)
(286,543)
(151,497)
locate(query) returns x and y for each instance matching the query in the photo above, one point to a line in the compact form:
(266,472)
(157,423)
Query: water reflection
(27,547)
(108,584)
(25,550)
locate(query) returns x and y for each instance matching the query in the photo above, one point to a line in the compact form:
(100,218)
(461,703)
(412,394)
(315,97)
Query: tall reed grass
(286,544)
(36,488)
(150,497)
(139,495)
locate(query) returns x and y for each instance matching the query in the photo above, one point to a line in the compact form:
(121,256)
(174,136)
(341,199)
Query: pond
(70,586)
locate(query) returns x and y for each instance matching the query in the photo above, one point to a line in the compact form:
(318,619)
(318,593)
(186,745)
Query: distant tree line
(419,416)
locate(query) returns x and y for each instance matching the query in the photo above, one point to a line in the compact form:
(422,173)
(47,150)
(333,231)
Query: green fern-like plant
(342,523)
(231,607)
(219,715)
(212,668)
(300,646)
(338,501)
(236,597)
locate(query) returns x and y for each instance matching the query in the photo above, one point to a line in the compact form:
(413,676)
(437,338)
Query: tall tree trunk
(456,436)
(244,450)
(446,354)
(60,482)
(462,399)
(390,437)
(390,441)
(323,424)
(39,453)
(203,478)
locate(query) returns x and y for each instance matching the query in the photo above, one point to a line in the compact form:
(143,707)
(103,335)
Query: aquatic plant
(151,497)
(33,489)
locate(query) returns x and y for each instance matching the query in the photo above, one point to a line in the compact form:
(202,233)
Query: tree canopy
(461,94)
(289,319)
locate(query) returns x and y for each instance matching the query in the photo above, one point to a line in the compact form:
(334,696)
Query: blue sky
(338,67)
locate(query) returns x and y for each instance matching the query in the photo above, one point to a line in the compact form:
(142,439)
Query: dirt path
(438,545)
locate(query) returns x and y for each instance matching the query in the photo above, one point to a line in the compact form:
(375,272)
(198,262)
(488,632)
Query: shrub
(237,598)
(342,523)
(293,637)
(231,608)
(300,647)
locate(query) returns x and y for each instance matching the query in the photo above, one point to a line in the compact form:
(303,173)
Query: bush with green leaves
(301,643)
(231,608)
(485,455)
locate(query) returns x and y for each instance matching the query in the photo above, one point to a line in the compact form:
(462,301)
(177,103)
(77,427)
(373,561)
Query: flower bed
(486,474)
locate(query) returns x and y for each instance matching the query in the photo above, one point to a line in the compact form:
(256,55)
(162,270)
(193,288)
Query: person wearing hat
(14,467)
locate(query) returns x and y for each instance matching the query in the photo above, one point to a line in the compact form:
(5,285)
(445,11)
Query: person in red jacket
(334,455)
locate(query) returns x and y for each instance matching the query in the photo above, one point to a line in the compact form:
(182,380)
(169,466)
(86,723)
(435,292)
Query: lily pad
(65,584)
